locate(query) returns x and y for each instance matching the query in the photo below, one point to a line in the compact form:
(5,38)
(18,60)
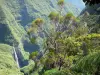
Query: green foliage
(68,47)
(29,31)
(55,72)
(92,21)
(33,40)
(61,2)
(53,16)
(13,10)
(61,18)
(80,30)
(28,69)
(69,16)
(2,15)
(88,64)
(33,55)
(71,46)
(38,21)
(7,63)
(90,36)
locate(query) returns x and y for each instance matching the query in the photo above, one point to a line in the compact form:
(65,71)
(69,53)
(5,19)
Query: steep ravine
(8,65)
(17,14)
(26,11)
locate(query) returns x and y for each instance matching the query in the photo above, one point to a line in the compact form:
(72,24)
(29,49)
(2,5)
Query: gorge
(73,30)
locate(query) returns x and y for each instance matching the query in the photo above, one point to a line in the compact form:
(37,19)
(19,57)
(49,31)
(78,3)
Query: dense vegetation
(7,63)
(68,43)
(15,15)
(70,47)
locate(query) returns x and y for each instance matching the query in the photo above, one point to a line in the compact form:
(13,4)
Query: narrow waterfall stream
(16,57)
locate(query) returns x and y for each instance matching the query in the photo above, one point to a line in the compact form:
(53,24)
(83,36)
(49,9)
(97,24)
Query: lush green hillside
(91,15)
(15,14)
(25,11)
(68,45)
(71,46)
(7,63)
(10,29)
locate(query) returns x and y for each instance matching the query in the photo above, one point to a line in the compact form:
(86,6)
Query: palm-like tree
(61,5)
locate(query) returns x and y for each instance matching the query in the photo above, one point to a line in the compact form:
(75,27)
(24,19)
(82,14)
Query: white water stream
(16,57)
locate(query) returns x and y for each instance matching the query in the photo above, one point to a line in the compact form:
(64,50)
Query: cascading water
(16,57)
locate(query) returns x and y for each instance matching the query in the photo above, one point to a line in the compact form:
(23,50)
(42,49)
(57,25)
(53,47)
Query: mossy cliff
(7,63)
(24,11)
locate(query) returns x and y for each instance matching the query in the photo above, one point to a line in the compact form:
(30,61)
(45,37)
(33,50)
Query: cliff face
(7,63)
(91,15)
(25,11)
(11,31)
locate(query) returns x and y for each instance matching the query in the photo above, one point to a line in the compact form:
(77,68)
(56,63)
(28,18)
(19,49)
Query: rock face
(7,63)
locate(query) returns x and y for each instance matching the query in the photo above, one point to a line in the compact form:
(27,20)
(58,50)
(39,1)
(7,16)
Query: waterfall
(16,57)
